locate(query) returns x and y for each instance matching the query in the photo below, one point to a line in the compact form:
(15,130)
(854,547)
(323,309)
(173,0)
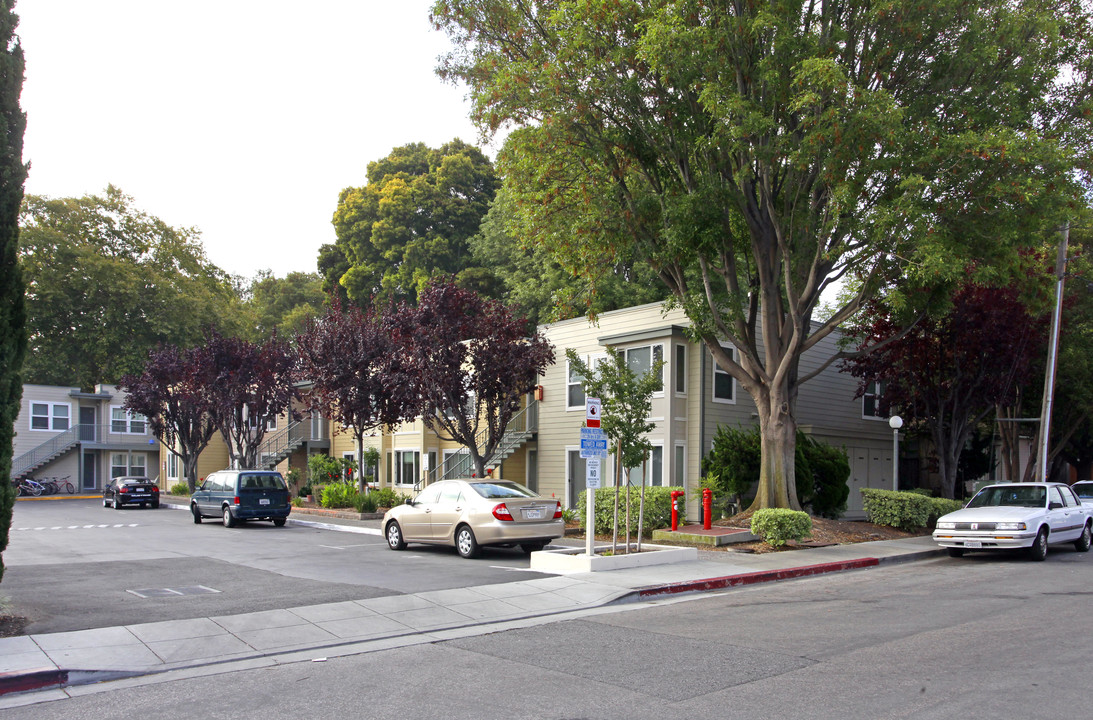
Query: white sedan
(1084,490)
(1017,515)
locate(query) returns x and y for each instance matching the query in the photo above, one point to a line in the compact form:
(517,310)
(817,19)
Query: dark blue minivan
(238,495)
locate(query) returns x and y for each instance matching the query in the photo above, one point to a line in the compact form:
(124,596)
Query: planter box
(574,560)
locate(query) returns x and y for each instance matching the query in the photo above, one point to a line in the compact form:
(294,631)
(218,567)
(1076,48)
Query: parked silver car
(467,514)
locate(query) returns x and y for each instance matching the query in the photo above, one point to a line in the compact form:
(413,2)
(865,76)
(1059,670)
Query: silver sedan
(467,514)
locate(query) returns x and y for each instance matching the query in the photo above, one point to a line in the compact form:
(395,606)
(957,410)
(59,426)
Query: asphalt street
(74,565)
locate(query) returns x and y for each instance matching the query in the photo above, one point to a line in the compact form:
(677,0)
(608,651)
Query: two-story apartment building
(87,437)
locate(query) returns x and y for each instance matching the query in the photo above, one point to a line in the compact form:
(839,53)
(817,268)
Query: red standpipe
(676,494)
(707,508)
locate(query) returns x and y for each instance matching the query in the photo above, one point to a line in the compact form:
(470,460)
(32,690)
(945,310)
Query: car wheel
(1038,551)
(395,541)
(1083,541)
(229,519)
(196,513)
(532,547)
(279,522)
(956,552)
(117,505)
(155,505)
(465,542)
(105,502)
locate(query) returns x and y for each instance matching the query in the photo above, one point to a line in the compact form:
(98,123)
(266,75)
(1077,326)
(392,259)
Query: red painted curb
(12,682)
(756,577)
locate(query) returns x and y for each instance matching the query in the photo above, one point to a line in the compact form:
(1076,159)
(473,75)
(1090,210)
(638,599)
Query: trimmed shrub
(658,508)
(179,488)
(366,503)
(903,510)
(775,526)
(339,495)
(942,506)
(387,497)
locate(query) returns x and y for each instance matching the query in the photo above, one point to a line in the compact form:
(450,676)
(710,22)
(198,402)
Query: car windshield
(261,482)
(502,489)
(1085,492)
(1009,495)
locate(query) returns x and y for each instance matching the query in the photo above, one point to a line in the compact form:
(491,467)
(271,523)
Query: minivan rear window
(261,481)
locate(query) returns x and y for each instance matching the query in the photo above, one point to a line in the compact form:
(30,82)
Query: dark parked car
(130,490)
(238,495)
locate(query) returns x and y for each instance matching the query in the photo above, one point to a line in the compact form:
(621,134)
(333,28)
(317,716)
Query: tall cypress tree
(13,174)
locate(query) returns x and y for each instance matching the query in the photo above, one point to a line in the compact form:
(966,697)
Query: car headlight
(946,526)
(1010,526)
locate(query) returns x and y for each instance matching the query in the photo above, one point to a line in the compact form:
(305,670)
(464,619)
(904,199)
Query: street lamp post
(895,422)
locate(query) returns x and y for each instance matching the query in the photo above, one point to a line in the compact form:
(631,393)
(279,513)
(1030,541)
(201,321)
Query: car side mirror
(1054,505)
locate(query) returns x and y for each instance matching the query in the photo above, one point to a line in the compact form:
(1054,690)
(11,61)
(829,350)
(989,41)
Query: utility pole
(1052,356)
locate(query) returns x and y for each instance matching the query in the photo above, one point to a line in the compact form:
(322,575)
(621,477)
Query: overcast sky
(241,118)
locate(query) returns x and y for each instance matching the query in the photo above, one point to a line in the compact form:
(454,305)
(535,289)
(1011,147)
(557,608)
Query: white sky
(241,118)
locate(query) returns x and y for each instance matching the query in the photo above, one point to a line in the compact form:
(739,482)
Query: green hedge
(903,510)
(658,508)
(179,488)
(775,526)
(942,506)
(387,497)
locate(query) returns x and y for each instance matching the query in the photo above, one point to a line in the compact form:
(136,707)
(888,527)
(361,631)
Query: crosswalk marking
(80,527)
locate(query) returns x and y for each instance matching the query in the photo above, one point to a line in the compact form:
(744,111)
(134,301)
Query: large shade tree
(758,153)
(13,174)
(175,393)
(472,361)
(410,222)
(107,282)
(354,372)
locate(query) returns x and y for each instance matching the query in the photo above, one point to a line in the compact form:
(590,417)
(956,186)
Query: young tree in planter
(627,402)
(357,371)
(471,361)
(949,373)
(757,153)
(252,384)
(173,393)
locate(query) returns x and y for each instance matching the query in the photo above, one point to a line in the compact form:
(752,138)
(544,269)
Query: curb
(752,578)
(14,682)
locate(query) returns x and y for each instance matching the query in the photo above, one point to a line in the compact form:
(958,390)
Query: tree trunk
(189,469)
(778,436)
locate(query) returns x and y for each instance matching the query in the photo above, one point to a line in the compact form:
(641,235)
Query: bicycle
(49,485)
(29,487)
(63,485)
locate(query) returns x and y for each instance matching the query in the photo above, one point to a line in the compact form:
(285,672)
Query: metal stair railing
(57,445)
(284,442)
(522,426)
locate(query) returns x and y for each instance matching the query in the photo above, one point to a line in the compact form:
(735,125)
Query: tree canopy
(106,283)
(410,222)
(757,153)
(284,305)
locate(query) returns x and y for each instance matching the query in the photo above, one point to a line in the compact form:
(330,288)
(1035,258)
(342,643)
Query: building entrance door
(88,480)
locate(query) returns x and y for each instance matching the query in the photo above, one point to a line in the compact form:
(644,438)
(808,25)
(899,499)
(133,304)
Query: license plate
(264,501)
(973,543)
(533,514)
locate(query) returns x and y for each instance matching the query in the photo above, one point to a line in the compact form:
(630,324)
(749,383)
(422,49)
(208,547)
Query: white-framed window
(406,466)
(128,463)
(271,422)
(724,385)
(679,466)
(124,423)
(138,464)
(173,466)
(641,360)
(680,374)
(574,388)
(349,475)
(653,466)
(870,401)
(50,416)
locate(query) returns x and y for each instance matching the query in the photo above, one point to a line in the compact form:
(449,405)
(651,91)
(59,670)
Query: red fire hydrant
(707,508)
(676,494)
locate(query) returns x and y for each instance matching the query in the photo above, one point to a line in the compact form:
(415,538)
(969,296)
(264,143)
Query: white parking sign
(592,473)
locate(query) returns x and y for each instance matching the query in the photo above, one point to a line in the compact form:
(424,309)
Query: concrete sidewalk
(64,664)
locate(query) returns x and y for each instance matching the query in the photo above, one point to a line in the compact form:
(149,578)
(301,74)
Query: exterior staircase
(520,429)
(51,449)
(287,441)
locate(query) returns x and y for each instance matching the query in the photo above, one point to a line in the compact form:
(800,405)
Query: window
(679,471)
(681,369)
(138,464)
(271,423)
(871,400)
(172,466)
(641,360)
(574,388)
(654,469)
(123,422)
(406,466)
(724,386)
(119,465)
(49,416)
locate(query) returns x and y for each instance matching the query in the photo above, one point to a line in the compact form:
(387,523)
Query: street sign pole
(592,470)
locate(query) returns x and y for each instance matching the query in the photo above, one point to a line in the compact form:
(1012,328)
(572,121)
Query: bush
(323,469)
(658,508)
(903,510)
(339,495)
(179,488)
(775,526)
(942,506)
(821,471)
(387,497)
(366,503)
